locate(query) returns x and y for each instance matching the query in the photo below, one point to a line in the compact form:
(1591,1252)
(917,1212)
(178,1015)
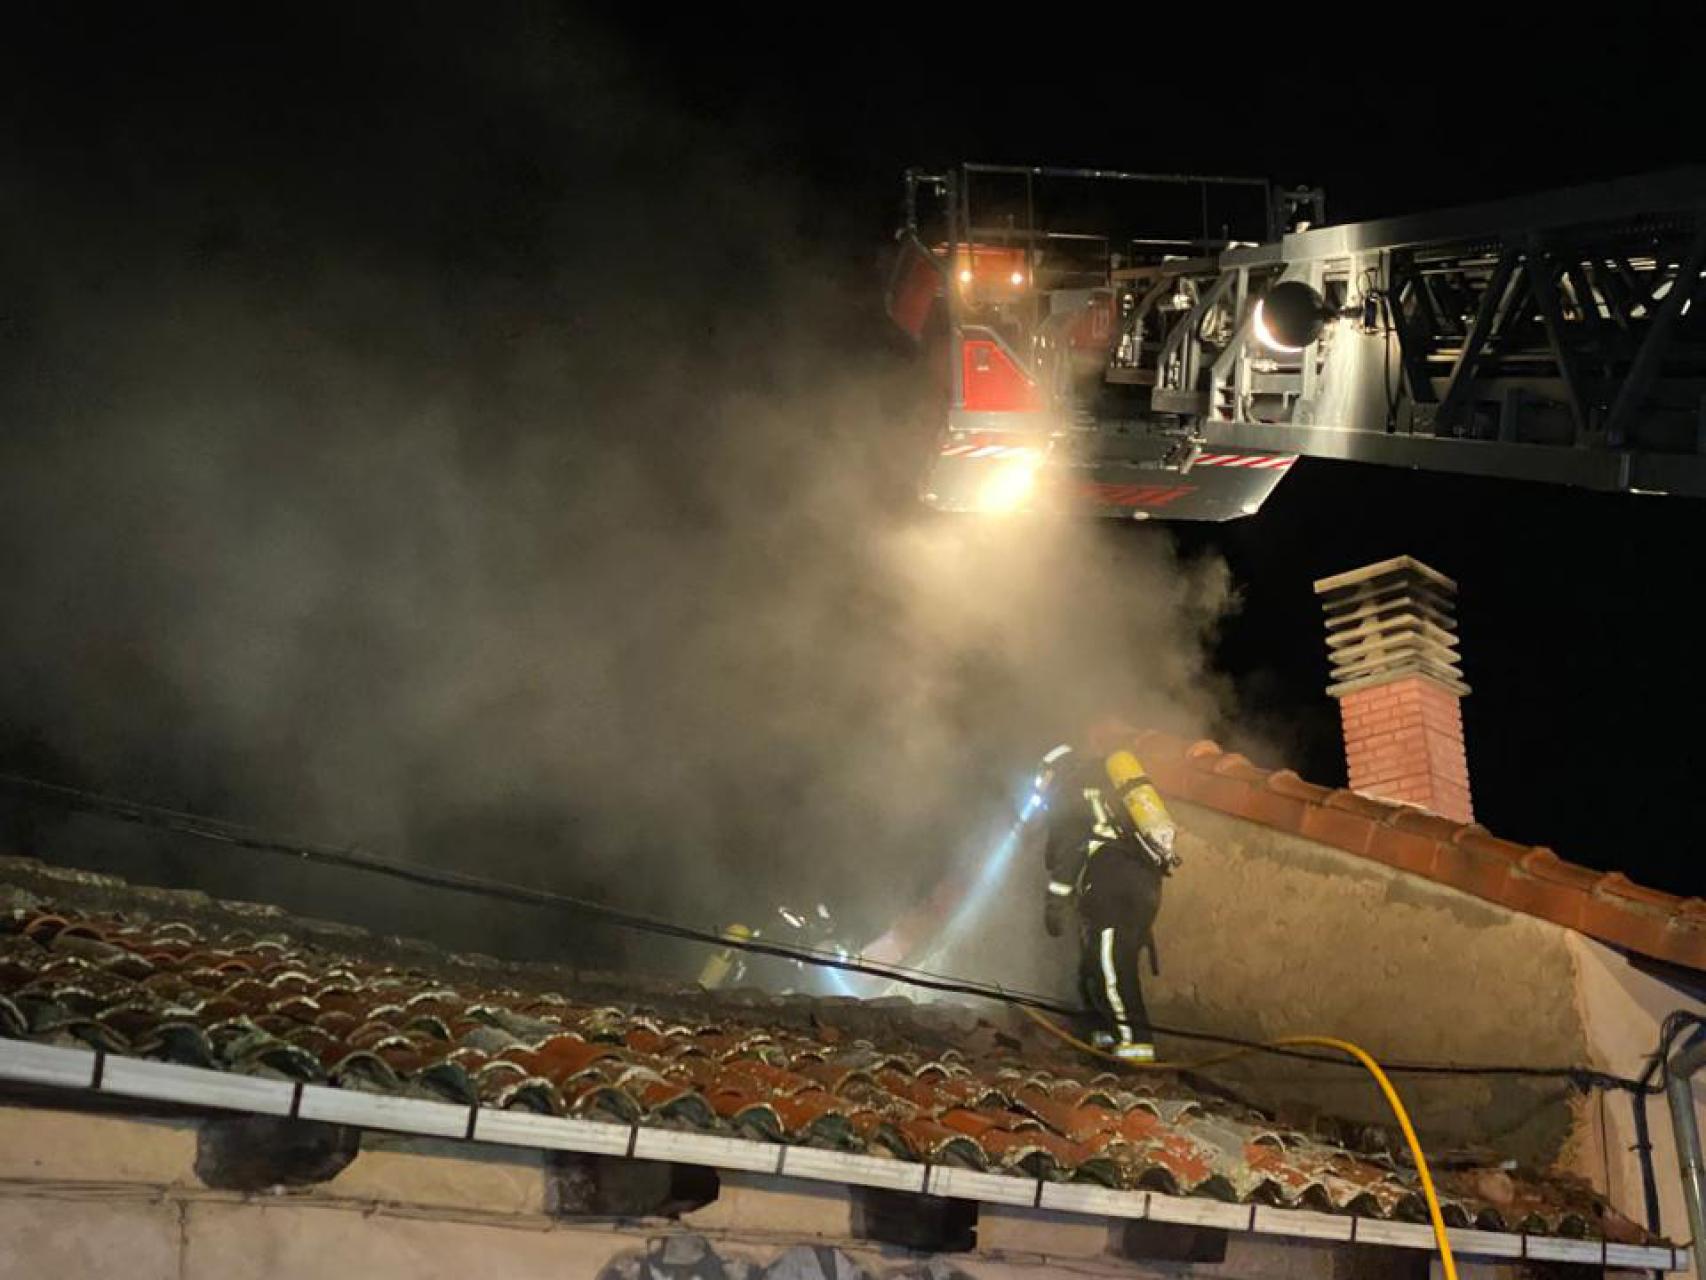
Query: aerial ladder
(1169,345)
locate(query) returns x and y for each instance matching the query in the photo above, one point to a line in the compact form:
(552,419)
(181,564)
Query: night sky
(1573,606)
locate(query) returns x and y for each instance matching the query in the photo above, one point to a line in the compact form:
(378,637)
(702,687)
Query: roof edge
(1531,879)
(85,1071)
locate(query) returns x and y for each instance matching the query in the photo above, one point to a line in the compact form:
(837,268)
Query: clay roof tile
(754,1075)
(1287,783)
(1233,765)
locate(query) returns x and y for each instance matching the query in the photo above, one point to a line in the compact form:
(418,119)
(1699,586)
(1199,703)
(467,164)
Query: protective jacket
(1108,846)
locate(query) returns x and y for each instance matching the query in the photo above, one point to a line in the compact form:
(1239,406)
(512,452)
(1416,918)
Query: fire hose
(1447,1262)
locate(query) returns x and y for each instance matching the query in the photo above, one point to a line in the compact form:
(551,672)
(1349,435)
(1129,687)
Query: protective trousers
(1116,914)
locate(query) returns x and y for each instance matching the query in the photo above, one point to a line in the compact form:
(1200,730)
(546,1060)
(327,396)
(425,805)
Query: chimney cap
(1358,612)
(1398,565)
(1391,620)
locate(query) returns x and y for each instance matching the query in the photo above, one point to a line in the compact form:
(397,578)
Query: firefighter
(813,931)
(729,964)
(1108,846)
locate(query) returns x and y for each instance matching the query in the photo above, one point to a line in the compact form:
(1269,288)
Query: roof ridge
(1532,879)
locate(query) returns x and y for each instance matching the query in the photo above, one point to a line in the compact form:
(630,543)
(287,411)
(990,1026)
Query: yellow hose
(1447,1262)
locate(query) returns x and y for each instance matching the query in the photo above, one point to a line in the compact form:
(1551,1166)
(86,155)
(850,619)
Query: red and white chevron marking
(1258,461)
(987,449)
(978,450)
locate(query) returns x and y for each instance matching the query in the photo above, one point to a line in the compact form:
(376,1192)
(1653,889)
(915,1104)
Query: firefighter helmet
(1048,776)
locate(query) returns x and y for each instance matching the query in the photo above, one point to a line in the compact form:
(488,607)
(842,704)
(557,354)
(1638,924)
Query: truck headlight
(1009,487)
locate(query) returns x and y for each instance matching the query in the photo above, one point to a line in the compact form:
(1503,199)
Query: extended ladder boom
(1550,338)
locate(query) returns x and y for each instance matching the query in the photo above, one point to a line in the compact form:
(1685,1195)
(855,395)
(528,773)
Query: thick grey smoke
(581,552)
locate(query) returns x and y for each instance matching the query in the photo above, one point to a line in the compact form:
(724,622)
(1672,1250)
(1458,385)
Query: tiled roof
(239,995)
(1527,878)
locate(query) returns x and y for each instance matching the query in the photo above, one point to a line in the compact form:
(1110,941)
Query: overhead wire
(1368,283)
(355,859)
(352,858)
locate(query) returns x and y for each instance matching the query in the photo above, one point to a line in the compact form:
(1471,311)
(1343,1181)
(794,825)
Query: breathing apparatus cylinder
(1142,804)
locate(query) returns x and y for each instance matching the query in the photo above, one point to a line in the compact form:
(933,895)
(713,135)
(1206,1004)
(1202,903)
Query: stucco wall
(183,1238)
(1263,934)
(1623,1009)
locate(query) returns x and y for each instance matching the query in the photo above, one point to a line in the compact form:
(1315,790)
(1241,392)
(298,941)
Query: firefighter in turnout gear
(1107,845)
(809,930)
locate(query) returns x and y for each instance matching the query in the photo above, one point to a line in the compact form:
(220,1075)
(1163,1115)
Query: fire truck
(1168,346)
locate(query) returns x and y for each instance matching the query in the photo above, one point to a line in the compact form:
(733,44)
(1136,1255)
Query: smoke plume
(475,459)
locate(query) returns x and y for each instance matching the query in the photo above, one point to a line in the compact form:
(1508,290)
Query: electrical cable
(1386,328)
(354,859)
(1368,284)
(463,882)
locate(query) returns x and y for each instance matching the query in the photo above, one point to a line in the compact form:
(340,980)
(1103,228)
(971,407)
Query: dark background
(1573,605)
(365,131)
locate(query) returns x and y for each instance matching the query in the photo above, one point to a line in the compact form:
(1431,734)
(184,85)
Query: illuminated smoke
(520,491)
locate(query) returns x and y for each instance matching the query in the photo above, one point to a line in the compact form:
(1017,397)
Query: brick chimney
(1391,638)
